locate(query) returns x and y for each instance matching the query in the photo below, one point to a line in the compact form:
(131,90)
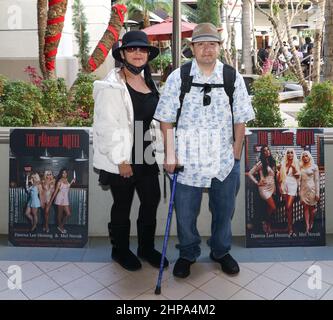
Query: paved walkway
(89,273)
(289,112)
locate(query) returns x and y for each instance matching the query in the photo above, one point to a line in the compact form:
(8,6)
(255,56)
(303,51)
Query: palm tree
(109,37)
(246,35)
(42,23)
(145,6)
(328,42)
(318,36)
(55,24)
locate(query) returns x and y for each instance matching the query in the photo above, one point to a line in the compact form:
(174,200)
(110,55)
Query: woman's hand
(261,183)
(125,170)
(294,170)
(317,198)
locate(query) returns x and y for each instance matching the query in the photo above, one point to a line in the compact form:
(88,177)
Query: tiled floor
(88,273)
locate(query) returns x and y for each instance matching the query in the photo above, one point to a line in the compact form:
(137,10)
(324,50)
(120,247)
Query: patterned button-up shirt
(204,135)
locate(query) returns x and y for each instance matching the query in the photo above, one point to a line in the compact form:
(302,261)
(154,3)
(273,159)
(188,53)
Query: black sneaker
(182,268)
(228,264)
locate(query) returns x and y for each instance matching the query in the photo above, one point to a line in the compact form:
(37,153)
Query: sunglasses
(135,49)
(206,98)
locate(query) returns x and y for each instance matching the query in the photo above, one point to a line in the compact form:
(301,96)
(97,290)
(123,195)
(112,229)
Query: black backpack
(229,78)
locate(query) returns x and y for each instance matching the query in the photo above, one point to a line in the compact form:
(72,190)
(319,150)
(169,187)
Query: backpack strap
(186,83)
(229,78)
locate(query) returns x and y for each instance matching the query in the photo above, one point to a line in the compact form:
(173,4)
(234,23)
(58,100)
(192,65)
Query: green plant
(54,99)
(82,104)
(33,75)
(161,61)
(288,77)
(208,11)
(3,81)
(21,104)
(266,103)
(318,111)
(79,118)
(79,22)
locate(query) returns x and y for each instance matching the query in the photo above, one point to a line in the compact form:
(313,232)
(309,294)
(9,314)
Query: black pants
(148,189)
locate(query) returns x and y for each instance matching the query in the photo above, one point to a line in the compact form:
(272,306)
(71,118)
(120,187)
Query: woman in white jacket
(125,103)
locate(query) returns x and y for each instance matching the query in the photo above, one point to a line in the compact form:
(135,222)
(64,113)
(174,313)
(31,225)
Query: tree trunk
(146,22)
(328,42)
(318,41)
(298,68)
(42,23)
(279,36)
(246,36)
(254,41)
(233,47)
(55,24)
(228,42)
(110,36)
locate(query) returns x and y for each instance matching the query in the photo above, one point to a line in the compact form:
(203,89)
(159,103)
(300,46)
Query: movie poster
(285,187)
(48,187)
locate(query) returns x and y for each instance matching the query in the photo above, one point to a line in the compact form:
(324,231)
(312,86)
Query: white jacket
(113,126)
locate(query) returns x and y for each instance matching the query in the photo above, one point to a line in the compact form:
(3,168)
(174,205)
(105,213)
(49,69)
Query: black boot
(146,250)
(119,236)
(110,233)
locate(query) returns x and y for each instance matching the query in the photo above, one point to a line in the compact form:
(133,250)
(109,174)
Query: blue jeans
(222,198)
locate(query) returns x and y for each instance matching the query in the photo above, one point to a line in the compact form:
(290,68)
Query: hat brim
(153,51)
(206,39)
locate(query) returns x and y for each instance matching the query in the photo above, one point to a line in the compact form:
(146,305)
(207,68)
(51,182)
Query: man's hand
(125,170)
(170,163)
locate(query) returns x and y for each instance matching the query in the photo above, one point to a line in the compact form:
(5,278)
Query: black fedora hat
(135,38)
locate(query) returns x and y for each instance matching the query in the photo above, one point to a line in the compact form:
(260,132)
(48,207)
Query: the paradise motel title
(67,141)
(278,138)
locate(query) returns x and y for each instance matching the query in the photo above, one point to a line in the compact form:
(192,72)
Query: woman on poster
(288,177)
(48,187)
(266,167)
(33,188)
(61,199)
(309,188)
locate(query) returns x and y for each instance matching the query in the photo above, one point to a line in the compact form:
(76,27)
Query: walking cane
(167,229)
